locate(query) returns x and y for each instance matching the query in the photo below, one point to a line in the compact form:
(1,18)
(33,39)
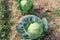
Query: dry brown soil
(41,6)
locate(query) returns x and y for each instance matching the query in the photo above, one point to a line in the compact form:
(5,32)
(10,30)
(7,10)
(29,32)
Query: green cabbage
(25,6)
(31,27)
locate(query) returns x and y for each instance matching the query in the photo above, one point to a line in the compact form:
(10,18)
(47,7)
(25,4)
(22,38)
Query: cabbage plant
(31,27)
(4,20)
(25,6)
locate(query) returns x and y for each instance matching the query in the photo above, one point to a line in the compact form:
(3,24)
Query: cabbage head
(35,30)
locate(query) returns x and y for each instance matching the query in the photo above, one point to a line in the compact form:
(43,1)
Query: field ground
(41,6)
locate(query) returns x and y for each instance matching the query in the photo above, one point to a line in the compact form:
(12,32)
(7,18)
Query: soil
(41,6)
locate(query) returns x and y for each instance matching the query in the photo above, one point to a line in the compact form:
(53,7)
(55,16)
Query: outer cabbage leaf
(18,1)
